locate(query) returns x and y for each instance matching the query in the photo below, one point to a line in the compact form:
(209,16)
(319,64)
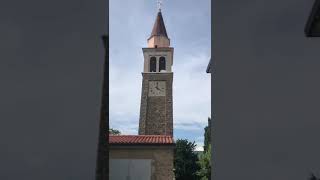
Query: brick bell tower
(156,97)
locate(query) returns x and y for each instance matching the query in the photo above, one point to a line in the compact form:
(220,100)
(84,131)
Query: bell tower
(156,96)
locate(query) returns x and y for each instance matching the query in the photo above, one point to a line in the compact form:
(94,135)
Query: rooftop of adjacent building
(141,139)
(210,66)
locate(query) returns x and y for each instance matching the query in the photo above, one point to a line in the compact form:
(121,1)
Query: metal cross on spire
(159,4)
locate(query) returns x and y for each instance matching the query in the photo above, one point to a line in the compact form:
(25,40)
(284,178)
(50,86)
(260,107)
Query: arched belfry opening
(153,64)
(162,64)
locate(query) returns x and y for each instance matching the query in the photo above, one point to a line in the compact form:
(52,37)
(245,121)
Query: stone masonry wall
(162,166)
(156,117)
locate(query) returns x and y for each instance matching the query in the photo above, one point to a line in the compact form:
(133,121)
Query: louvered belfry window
(153,64)
(162,63)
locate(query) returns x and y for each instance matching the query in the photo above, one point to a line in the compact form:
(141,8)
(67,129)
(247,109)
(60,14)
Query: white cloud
(199,146)
(192,90)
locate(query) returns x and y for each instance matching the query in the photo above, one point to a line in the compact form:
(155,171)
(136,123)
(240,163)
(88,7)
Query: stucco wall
(265,91)
(160,41)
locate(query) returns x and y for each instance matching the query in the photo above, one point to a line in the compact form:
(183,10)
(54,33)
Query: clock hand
(157,87)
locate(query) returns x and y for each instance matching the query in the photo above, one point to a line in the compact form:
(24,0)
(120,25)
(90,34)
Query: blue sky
(188,27)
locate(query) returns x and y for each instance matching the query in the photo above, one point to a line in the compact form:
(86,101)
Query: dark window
(162,63)
(153,64)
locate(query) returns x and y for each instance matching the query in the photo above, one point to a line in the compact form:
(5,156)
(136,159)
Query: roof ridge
(140,135)
(141,139)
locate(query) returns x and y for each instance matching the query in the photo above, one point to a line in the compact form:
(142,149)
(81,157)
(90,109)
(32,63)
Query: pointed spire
(159,37)
(159,28)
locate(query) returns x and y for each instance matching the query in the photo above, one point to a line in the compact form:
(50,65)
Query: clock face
(157,88)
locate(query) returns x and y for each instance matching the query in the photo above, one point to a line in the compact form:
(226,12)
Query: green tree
(185,160)
(204,173)
(207,135)
(114,131)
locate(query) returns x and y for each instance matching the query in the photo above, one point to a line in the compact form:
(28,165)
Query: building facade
(141,157)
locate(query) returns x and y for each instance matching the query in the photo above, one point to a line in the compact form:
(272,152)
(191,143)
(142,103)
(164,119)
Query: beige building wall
(158,41)
(162,158)
(158,52)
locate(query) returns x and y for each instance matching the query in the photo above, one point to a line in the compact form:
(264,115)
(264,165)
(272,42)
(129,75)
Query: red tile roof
(141,139)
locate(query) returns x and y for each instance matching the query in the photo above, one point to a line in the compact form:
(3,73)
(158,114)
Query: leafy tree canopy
(114,131)
(185,160)
(207,135)
(204,173)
